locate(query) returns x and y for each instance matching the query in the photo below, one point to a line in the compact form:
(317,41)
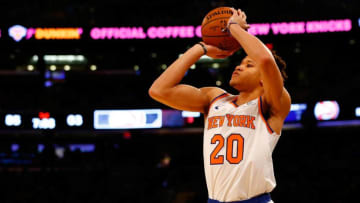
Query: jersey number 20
(233,140)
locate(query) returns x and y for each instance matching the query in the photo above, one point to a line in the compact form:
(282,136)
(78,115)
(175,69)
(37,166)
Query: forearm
(253,47)
(176,71)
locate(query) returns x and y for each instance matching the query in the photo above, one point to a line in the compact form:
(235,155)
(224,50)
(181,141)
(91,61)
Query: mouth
(235,74)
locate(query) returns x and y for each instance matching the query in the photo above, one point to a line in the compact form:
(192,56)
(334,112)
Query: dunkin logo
(17,32)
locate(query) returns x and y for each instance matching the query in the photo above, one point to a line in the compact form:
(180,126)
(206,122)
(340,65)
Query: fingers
(241,14)
(222,51)
(234,11)
(221,56)
(225,54)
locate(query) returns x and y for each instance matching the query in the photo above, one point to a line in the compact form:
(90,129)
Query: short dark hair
(281,64)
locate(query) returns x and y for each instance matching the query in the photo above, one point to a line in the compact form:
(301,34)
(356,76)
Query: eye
(249,65)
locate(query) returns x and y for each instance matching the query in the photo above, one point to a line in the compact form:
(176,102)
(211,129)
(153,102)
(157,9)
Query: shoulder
(212,92)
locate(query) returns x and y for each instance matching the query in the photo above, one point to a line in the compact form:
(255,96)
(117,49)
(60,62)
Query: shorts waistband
(264,198)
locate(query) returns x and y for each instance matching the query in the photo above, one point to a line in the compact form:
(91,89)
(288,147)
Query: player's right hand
(217,53)
(238,17)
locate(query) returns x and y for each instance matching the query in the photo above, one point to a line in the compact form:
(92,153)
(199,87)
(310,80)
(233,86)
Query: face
(246,76)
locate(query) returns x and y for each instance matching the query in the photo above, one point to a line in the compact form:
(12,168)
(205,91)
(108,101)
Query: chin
(234,85)
(234,82)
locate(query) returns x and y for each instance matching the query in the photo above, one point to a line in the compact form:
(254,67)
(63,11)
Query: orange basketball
(213,29)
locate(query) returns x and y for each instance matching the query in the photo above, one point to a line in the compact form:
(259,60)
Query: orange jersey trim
(270,130)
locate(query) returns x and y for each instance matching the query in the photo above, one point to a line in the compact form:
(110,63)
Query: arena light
(93,67)
(205,59)
(67,68)
(30,67)
(48,83)
(59,151)
(82,147)
(35,58)
(186,114)
(357,111)
(15,147)
(53,68)
(64,58)
(215,65)
(40,148)
(127,119)
(326,110)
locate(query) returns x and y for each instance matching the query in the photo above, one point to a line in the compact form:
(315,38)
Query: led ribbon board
(127,119)
(18,32)
(276,28)
(301,27)
(296,112)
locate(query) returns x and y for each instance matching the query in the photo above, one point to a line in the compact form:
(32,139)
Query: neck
(246,96)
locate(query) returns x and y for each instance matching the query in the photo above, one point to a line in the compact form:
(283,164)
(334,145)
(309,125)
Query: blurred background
(77,124)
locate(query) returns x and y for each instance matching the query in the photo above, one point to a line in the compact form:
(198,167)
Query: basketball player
(241,130)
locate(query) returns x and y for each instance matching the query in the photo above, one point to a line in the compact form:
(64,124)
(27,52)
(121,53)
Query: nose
(238,68)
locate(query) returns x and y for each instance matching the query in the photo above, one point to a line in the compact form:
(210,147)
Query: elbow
(267,60)
(267,63)
(155,93)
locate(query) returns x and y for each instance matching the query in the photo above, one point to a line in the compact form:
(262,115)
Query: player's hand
(215,52)
(238,17)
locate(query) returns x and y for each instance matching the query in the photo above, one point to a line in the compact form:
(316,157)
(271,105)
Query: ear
(261,83)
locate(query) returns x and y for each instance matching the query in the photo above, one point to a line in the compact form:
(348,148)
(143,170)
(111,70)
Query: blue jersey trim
(264,198)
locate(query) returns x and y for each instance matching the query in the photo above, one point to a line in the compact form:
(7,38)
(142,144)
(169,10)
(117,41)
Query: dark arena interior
(77,123)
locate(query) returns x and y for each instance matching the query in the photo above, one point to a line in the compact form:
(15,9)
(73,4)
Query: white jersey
(238,146)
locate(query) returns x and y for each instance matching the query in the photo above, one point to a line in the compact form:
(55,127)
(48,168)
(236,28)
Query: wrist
(229,25)
(203,47)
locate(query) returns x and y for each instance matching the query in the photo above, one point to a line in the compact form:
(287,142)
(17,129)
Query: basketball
(213,29)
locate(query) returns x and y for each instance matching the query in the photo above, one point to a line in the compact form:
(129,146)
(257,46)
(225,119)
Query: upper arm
(186,97)
(276,117)
(275,95)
